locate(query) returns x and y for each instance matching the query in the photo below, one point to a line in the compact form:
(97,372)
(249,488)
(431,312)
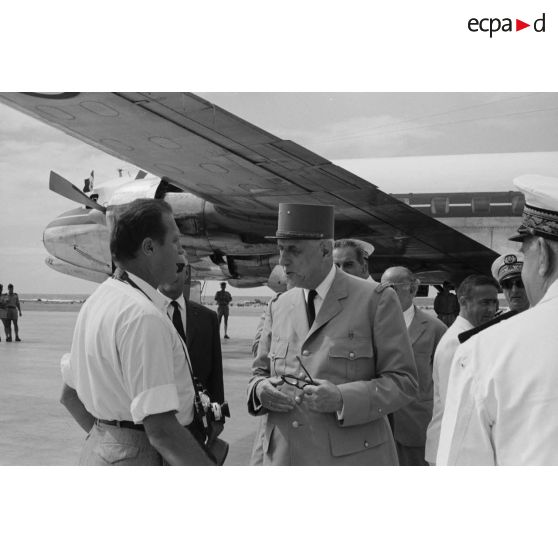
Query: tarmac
(35,429)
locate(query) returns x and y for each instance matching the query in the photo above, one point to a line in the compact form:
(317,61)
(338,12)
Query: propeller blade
(67,190)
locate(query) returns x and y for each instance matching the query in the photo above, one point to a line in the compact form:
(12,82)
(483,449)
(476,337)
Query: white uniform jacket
(502,400)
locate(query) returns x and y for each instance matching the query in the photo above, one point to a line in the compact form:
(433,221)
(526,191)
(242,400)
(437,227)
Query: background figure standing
(3,311)
(425,331)
(353,257)
(446,305)
(12,310)
(507,271)
(223,299)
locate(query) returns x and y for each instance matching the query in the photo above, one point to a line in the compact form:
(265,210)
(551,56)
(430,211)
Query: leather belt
(121,424)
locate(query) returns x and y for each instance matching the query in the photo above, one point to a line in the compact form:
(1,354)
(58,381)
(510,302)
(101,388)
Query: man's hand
(324,397)
(273,399)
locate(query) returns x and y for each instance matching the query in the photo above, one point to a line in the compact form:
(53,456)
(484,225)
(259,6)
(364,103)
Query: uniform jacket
(502,399)
(412,420)
(204,348)
(359,342)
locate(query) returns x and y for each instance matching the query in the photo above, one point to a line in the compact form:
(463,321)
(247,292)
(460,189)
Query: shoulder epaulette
(381,288)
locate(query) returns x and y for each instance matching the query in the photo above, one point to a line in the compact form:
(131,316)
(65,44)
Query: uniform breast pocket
(278,357)
(351,357)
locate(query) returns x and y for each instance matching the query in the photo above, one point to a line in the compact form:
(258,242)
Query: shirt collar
(156,297)
(168,300)
(409,314)
(323,288)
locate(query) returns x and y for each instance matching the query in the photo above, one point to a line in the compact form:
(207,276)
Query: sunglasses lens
(510,284)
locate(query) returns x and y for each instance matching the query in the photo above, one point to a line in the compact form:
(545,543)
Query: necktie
(177,319)
(310,310)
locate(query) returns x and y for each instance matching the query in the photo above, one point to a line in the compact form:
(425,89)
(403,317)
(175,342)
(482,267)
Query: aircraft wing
(246,171)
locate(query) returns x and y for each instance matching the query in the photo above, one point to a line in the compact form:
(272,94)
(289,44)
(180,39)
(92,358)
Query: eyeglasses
(395,285)
(510,283)
(297,382)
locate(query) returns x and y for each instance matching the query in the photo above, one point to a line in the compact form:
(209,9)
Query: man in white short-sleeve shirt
(127,378)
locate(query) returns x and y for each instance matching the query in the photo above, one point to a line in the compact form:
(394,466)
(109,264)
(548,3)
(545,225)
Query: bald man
(411,421)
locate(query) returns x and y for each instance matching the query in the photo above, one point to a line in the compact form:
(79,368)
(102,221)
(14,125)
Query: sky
(334,125)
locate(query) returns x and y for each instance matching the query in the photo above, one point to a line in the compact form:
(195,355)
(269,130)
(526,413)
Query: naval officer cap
(366,247)
(507,266)
(297,221)
(540,215)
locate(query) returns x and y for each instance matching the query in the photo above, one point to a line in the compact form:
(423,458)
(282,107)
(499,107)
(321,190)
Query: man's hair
(465,290)
(413,279)
(10,286)
(223,284)
(361,254)
(139,220)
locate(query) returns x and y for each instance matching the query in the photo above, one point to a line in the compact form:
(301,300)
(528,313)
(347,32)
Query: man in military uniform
(502,403)
(339,358)
(507,271)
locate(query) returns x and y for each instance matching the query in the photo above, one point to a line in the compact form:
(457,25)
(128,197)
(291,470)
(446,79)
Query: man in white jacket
(478,300)
(502,399)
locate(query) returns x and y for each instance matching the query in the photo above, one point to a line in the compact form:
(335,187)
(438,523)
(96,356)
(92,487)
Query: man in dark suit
(199,327)
(410,422)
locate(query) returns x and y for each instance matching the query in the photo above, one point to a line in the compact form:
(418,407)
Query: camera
(211,411)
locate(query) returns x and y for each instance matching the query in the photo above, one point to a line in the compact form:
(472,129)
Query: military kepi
(299,221)
(540,215)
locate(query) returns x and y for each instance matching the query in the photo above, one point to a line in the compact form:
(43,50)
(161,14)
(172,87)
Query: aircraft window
(440,206)
(480,205)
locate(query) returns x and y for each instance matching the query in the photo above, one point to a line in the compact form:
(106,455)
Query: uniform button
(377,389)
(305,352)
(380,411)
(351,355)
(365,444)
(295,424)
(297,399)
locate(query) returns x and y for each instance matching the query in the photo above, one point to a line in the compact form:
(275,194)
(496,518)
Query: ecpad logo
(492,25)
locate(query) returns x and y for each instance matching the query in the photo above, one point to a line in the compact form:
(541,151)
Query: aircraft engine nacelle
(80,238)
(76,271)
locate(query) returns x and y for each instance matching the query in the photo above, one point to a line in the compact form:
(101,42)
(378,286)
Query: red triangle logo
(519,25)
